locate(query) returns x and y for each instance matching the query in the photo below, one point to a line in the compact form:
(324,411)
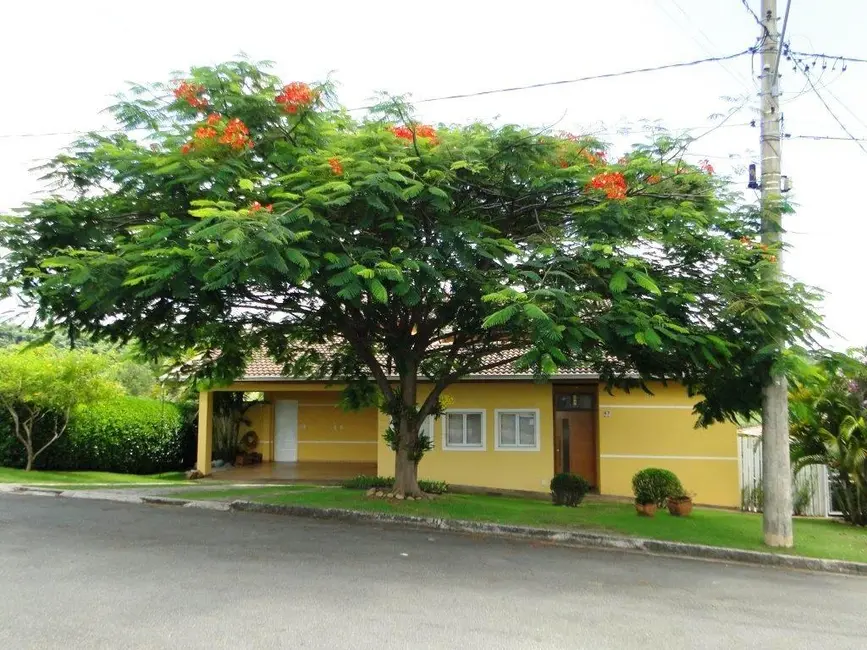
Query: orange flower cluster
(295,96)
(255,206)
(612,183)
(593,157)
(421,131)
(190,93)
(235,134)
(746,241)
(403,132)
(706,167)
(653,179)
(336,167)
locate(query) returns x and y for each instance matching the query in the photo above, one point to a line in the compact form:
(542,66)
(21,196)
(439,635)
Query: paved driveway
(92,574)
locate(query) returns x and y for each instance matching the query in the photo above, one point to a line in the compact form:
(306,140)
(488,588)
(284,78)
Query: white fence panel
(813,478)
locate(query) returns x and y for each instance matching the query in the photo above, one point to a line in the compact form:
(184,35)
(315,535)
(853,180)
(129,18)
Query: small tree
(41,387)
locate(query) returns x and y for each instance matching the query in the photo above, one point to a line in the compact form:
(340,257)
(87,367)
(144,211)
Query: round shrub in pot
(653,486)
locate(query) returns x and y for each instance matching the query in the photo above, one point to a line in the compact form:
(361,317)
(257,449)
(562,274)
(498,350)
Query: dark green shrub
(363,482)
(654,485)
(129,434)
(568,489)
(433,487)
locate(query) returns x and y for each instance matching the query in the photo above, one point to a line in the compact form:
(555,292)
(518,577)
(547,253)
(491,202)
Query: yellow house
(501,431)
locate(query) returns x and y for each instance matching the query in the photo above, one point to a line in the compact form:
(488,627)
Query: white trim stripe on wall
(730,458)
(337,442)
(678,407)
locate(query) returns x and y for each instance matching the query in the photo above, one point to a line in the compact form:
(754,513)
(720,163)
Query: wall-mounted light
(753,184)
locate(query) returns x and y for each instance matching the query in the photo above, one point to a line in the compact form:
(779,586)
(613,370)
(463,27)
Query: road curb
(566,537)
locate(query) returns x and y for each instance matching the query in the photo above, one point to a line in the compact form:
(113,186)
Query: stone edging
(566,537)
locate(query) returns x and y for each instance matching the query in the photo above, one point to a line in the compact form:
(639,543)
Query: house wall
(513,470)
(327,433)
(637,430)
(261,418)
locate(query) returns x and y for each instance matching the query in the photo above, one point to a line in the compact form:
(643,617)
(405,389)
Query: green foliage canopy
(377,249)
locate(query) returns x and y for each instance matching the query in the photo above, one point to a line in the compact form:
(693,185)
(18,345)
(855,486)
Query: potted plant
(644,508)
(652,488)
(680,505)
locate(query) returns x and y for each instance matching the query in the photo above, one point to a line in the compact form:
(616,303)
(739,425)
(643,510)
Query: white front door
(286,431)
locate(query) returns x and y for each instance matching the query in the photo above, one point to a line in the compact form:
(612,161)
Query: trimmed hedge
(131,435)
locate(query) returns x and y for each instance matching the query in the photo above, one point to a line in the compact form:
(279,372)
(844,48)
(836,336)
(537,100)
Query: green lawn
(9,475)
(814,537)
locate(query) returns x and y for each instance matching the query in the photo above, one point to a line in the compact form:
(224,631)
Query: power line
(824,137)
(481,93)
(756,18)
(738,78)
(608,75)
(821,55)
(831,112)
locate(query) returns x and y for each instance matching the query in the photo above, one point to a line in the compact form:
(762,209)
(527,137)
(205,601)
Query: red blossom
(563,163)
(653,179)
(421,131)
(236,135)
(295,96)
(706,167)
(186,148)
(612,183)
(427,131)
(403,132)
(190,93)
(593,157)
(205,133)
(336,167)
(745,240)
(214,119)
(269,207)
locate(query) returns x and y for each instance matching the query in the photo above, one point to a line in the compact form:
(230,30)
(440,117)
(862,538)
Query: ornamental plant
(398,249)
(654,485)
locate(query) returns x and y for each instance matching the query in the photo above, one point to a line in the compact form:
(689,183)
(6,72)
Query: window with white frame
(427,430)
(517,429)
(464,430)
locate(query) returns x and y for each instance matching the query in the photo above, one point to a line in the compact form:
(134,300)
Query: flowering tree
(384,252)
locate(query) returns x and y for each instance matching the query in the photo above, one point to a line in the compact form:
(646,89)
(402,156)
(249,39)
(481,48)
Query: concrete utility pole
(776,464)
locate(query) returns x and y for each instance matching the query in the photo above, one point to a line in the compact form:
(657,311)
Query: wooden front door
(575,433)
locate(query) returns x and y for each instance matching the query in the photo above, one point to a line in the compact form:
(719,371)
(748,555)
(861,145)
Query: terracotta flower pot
(645,509)
(680,507)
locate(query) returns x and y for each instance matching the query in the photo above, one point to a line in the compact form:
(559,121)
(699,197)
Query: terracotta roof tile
(261,366)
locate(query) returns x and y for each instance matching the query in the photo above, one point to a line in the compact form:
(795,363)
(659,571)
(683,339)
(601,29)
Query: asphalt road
(90,574)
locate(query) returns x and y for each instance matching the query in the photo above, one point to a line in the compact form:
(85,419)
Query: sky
(64,62)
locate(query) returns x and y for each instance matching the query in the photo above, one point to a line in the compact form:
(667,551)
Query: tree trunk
(405,461)
(29,461)
(406,474)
